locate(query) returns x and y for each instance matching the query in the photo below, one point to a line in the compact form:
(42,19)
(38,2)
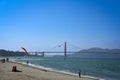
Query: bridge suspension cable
(75,46)
(53,48)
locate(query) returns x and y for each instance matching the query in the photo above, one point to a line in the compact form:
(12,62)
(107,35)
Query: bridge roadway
(54,52)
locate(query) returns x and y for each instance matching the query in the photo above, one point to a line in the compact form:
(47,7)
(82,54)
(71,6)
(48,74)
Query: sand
(30,73)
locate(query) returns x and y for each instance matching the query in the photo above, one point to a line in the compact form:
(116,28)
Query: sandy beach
(30,73)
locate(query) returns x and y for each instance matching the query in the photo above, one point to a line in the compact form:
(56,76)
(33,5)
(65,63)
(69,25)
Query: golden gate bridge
(42,53)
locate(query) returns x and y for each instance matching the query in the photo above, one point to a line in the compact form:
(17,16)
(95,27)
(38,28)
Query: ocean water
(100,68)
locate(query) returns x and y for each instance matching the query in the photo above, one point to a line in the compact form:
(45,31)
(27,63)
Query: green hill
(10,53)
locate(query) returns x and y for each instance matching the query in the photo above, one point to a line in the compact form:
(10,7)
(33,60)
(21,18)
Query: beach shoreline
(55,71)
(33,73)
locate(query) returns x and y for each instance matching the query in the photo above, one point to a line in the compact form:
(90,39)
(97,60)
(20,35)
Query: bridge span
(65,51)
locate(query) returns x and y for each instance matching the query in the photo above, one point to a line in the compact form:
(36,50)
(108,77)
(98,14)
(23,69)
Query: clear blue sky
(42,24)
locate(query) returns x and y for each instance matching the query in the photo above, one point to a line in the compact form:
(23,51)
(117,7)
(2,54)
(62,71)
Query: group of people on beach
(3,60)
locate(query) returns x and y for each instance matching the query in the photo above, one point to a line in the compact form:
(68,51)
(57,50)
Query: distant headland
(10,53)
(99,50)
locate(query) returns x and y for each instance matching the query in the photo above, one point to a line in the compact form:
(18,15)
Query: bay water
(100,68)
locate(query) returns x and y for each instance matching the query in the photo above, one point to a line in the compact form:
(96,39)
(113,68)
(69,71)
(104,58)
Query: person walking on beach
(79,73)
(27,62)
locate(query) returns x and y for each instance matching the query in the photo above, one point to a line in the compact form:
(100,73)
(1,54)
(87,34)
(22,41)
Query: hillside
(100,50)
(97,53)
(10,53)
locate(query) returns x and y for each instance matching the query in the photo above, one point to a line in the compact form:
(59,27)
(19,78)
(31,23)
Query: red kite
(25,51)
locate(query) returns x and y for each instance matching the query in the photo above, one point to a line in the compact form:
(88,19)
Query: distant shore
(32,73)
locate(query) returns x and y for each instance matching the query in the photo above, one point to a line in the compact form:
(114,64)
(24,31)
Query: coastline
(33,73)
(56,71)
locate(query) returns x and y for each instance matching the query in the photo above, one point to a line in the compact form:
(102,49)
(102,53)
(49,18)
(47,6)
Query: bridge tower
(43,54)
(65,49)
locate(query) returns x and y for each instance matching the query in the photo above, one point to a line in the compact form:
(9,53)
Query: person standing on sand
(79,73)
(27,62)
(3,60)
